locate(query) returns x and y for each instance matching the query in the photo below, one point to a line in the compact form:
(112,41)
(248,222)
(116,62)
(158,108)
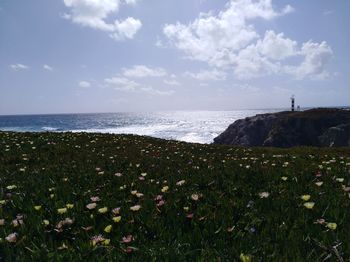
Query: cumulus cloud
(229,41)
(19,67)
(139,71)
(316,57)
(206,75)
(122,83)
(94,14)
(171,82)
(152,91)
(84,84)
(47,67)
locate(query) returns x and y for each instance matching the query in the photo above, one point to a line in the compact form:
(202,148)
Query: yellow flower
(108,229)
(2,202)
(11,187)
(332,226)
(135,208)
(284,178)
(46,222)
(319,183)
(245,258)
(186,209)
(62,210)
(305,197)
(52,195)
(340,180)
(106,242)
(69,206)
(117,219)
(103,210)
(309,205)
(165,189)
(37,208)
(134,192)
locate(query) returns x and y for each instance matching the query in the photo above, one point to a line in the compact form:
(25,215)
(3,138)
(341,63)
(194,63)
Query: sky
(80,56)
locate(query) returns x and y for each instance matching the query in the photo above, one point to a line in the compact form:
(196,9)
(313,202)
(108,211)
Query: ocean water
(188,126)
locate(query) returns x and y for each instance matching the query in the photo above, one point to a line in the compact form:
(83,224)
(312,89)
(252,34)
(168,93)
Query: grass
(191,202)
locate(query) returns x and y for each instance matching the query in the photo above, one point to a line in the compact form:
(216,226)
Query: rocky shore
(321,127)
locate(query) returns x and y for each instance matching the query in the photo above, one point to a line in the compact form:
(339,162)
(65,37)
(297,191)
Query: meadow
(100,197)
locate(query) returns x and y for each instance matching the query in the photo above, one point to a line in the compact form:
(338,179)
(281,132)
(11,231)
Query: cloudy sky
(62,56)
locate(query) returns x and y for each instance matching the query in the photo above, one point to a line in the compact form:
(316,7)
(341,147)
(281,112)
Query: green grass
(229,218)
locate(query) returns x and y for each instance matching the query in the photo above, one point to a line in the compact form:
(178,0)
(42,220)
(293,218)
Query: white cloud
(122,83)
(94,14)
(18,67)
(171,82)
(229,41)
(126,29)
(47,67)
(152,91)
(213,75)
(316,57)
(139,71)
(84,84)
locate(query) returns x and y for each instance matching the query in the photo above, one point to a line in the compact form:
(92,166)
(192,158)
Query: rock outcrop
(321,127)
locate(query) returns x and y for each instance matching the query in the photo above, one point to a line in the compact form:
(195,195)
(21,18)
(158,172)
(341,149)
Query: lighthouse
(292,100)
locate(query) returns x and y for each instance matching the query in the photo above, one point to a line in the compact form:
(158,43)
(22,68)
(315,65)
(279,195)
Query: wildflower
(127,239)
(65,179)
(11,187)
(134,192)
(66,222)
(320,221)
(12,238)
(117,219)
(186,209)
(37,208)
(46,222)
(118,174)
(180,183)
(264,194)
(97,239)
(2,202)
(309,205)
(245,258)
(69,206)
(320,183)
(139,195)
(165,189)
(106,242)
(305,197)
(160,203)
(95,199)
(52,195)
(116,210)
(195,197)
(108,229)
(2,222)
(332,226)
(340,180)
(135,208)
(284,178)
(62,210)
(143,174)
(91,206)
(103,210)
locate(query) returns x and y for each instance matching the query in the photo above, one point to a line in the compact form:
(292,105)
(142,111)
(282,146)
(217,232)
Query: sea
(188,126)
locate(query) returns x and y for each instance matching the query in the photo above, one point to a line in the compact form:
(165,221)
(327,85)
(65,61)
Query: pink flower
(161,203)
(128,239)
(116,211)
(95,199)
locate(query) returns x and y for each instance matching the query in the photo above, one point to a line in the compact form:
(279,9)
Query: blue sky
(63,56)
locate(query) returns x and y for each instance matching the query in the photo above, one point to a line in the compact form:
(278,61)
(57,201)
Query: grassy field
(101,197)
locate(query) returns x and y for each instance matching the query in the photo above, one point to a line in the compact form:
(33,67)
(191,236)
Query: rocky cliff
(315,127)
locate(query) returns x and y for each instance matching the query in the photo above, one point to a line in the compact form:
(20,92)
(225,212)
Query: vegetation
(72,197)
